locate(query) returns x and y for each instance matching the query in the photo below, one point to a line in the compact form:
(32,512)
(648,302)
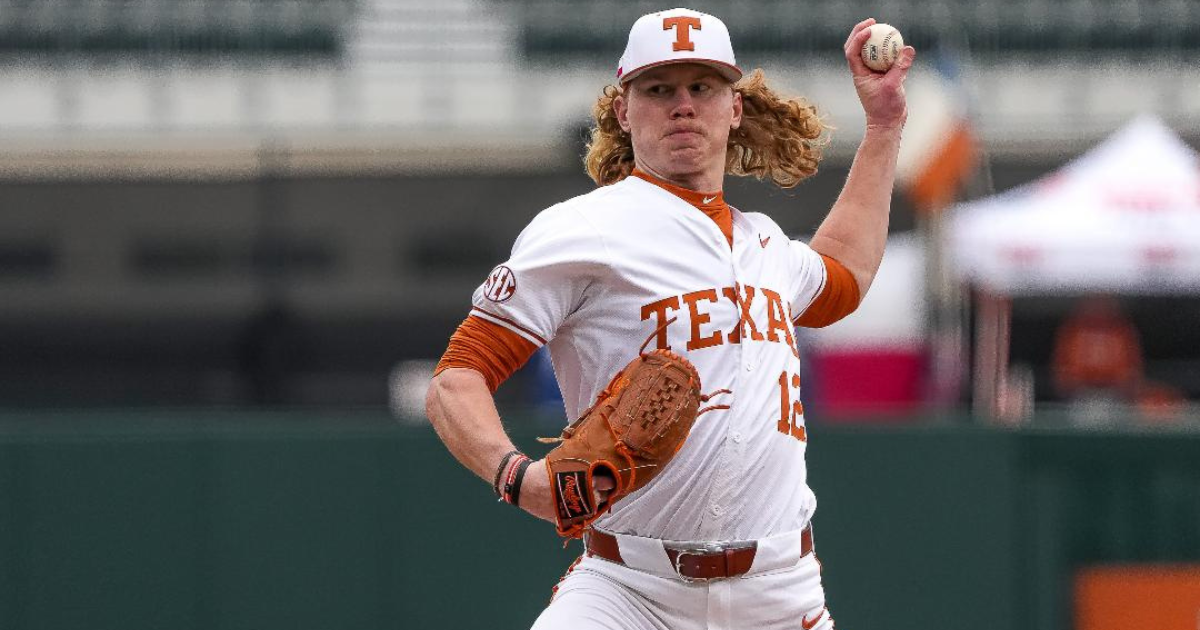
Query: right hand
(537,497)
(880,93)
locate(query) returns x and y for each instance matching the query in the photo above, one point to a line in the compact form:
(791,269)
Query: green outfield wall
(223,521)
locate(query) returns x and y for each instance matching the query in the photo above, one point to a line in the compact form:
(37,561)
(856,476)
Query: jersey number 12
(791,412)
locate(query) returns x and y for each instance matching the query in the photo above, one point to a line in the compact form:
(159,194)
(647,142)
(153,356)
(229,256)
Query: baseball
(882,48)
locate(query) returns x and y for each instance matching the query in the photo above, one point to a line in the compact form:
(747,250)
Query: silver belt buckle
(707,549)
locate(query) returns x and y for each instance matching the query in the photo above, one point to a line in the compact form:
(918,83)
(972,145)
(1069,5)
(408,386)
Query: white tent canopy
(1123,218)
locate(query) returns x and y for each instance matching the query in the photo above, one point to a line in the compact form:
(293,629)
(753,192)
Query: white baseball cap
(678,36)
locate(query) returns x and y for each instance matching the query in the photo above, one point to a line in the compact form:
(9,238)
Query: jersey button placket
(732,457)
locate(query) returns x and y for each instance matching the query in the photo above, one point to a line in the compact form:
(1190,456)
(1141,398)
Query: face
(679,117)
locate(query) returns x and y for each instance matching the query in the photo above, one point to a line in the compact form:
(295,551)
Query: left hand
(537,497)
(881,93)
(603,486)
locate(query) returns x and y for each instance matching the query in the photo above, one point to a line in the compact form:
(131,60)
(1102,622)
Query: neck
(699,182)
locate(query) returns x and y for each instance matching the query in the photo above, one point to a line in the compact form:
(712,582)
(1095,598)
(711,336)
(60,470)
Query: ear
(621,108)
(737,110)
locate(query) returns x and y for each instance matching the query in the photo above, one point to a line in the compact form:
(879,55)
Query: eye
(657,89)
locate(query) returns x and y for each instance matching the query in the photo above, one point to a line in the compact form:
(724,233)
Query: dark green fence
(325,521)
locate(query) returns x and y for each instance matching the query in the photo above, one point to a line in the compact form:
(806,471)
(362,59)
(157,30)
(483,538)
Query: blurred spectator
(1097,352)
(1158,403)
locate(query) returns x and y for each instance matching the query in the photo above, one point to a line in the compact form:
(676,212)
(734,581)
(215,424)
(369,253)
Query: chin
(689,159)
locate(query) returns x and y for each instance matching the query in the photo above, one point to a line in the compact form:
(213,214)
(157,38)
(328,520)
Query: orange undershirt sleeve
(838,298)
(490,349)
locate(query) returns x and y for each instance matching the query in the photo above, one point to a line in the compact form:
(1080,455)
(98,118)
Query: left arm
(855,231)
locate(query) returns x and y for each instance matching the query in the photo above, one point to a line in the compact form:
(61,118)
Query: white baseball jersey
(595,276)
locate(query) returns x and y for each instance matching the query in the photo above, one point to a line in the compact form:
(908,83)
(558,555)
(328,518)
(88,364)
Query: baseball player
(721,537)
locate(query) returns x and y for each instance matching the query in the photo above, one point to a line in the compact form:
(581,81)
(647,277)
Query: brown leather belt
(707,562)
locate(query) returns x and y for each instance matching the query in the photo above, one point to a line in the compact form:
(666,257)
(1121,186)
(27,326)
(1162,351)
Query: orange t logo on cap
(682,26)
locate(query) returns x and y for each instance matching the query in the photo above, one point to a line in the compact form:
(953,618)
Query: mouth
(682,133)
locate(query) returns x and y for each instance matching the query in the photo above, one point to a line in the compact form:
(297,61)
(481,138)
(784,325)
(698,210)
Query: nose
(684,107)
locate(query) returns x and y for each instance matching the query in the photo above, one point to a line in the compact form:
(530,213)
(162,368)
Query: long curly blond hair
(780,138)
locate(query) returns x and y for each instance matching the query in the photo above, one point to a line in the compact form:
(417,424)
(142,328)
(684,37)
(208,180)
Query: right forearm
(461,409)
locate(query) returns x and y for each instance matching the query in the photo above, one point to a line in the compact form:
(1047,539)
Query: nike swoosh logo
(708,200)
(808,625)
(763,241)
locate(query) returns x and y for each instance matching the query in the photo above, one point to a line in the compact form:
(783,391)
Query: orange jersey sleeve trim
(496,319)
(488,348)
(838,298)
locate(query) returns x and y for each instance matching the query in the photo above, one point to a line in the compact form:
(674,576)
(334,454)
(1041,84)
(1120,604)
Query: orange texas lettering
(756,311)
(777,318)
(698,319)
(743,299)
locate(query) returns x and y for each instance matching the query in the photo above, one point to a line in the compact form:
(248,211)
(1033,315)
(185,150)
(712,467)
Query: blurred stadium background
(236,234)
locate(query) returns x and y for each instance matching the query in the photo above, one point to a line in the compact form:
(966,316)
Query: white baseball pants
(781,591)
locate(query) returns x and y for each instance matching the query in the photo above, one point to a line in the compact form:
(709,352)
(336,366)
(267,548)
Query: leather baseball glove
(631,432)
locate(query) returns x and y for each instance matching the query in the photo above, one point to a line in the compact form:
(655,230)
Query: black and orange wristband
(510,485)
(514,491)
(500,471)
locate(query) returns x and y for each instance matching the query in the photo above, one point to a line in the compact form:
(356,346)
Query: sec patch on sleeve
(500,285)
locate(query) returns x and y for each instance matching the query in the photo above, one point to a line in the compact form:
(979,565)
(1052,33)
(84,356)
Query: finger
(603,483)
(858,27)
(855,43)
(600,497)
(907,56)
(854,53)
